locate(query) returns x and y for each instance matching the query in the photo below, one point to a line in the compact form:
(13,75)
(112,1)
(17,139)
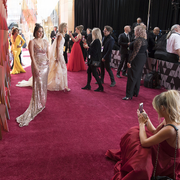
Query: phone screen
(141,107)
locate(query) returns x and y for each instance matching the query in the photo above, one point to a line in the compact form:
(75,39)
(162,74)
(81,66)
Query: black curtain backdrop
(118,13)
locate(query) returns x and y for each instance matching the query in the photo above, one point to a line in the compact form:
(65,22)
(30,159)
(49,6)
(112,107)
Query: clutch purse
(96,63)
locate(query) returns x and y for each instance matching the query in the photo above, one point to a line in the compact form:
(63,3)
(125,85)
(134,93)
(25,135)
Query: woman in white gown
(57,77)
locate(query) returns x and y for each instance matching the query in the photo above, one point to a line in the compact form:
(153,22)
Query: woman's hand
(70,34)
(142,117)
(85,46)
(128,65)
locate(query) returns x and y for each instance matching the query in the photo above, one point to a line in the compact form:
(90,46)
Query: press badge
(102,48)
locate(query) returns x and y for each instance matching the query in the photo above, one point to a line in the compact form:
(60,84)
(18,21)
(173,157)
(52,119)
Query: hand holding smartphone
(141,111)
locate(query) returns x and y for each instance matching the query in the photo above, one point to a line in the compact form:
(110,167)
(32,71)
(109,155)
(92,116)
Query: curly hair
(140,31)
(14,30)
(170,100)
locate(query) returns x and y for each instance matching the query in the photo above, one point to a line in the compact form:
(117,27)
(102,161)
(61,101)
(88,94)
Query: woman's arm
(47,52)
(22,40)
(31,52)
(59,38)
(79,36)
(149,124)
(163,134)
(136,47)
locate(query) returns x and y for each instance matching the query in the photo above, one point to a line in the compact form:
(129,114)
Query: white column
(66,15)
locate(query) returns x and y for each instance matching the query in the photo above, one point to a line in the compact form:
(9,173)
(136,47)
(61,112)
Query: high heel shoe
(86,87)
(127,98)
(67,89)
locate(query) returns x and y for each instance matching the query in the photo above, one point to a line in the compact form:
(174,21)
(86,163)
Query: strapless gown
(76,59)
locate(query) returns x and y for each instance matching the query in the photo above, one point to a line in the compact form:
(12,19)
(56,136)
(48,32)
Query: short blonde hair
(96,34)
(140,31)
(171,102)
(61,28)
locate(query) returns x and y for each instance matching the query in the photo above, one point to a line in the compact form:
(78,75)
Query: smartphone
(141,107)
(83,38)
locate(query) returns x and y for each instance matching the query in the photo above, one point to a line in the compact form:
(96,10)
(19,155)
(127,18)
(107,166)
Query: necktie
(128,37)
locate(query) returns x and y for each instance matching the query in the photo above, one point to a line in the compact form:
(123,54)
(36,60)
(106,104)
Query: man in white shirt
(173,40)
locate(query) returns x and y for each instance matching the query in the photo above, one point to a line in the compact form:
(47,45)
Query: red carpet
(68,140)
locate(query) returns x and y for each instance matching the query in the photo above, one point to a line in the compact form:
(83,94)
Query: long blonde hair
(96,34)
(171,102)
(140,31)
(61,28)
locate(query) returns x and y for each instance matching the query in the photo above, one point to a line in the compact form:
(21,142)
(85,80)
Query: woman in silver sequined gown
(38,49)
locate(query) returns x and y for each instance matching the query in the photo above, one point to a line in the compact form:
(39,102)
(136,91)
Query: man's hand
(103,60)
(128,65)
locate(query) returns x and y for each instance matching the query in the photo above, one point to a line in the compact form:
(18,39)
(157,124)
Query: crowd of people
(137,157)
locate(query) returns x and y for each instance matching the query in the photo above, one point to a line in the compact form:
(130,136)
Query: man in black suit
(81,43)
(53,34)
(66,45)
(124,41)
(152,41)
(136,23)
(107,46)
(89,36)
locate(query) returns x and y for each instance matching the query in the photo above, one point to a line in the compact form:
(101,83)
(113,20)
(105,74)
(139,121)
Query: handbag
(166,177)
(96,63)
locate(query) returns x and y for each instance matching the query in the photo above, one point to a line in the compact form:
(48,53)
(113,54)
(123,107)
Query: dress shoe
(124,74)
(86,87)
(113,84)
(127,98)
(99,89)
(117,75)
(135,95)
(102,82)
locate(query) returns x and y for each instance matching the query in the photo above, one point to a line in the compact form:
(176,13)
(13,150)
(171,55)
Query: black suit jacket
(108,43)
(84,33)
(152,41)
(95,50)
(53,34)
(89,39)
(66,40)
(123,42)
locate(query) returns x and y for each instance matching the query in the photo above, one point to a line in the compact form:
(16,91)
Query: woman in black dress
(136,62)
(94,54)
